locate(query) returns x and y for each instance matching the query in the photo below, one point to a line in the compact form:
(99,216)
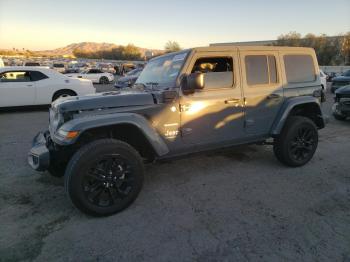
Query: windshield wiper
(140,84)
(152,85)
(148,86)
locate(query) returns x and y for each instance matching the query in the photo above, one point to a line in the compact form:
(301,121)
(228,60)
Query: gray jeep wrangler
(185,102)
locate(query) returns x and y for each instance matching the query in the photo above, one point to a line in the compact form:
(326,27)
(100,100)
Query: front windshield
(162,72)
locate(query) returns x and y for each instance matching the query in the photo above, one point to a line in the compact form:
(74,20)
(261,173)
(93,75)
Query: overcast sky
(38,25)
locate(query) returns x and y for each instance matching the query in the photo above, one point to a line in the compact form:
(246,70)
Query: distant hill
(88,47)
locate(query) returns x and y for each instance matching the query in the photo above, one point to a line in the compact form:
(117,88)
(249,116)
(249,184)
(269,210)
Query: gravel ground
(236,205)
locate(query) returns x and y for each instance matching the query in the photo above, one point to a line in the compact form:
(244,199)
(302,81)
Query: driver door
(213,114)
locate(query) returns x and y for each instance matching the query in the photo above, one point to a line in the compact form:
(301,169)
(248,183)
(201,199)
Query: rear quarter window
(299,68)
(37,76)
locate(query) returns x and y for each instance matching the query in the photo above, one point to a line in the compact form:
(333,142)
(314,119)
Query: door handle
(273,96)
(232,101)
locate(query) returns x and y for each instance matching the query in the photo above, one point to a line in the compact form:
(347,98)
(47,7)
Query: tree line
(329,50)
(129,52)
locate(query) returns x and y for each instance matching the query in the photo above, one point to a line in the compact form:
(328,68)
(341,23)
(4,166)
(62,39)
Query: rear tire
(63,93)
(297,143)
(104,177)
(104,80)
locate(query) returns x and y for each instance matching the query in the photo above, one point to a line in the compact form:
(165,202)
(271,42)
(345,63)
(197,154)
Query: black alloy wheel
(109,180)
(303,143)
(104,80)
(104,177)
(297,143)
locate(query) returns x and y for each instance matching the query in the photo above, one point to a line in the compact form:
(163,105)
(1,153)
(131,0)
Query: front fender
(85,123)
(288,106)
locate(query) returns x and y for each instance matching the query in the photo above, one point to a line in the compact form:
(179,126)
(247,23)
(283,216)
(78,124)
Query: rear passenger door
(262,88)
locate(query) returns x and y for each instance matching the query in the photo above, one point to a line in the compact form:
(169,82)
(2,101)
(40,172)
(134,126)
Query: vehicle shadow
(24,109)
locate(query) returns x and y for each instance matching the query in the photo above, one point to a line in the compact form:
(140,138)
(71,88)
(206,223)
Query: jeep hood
(104,100)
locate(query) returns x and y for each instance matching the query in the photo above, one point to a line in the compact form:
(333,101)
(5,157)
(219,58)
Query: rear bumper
(39,154)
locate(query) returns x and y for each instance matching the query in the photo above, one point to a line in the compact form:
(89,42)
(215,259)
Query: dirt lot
(237,205)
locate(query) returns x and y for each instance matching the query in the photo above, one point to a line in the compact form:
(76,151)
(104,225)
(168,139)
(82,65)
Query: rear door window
(299,68)
(261,69)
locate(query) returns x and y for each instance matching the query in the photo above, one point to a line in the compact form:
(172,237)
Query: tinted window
(218,71)
(257,69)
(261,69)
(272,69)
(36,76)
(299,68)
(15,76)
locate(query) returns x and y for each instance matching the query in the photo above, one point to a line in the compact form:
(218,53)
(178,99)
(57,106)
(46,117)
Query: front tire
(297,143)
(104,177)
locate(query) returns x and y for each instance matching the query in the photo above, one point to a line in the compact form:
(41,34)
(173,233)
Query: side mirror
(192,82)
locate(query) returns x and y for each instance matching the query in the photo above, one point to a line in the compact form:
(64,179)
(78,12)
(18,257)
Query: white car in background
(95,75)
(59,67)
(323,78)
(24,86)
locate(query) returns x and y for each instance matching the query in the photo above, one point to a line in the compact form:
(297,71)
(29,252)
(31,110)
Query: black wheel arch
(63,91)
(308,107)
(125,132)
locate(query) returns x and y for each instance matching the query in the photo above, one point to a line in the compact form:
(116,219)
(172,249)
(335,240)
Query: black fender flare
(83,124)
(288,106)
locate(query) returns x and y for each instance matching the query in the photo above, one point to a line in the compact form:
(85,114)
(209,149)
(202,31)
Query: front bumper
(39,154)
